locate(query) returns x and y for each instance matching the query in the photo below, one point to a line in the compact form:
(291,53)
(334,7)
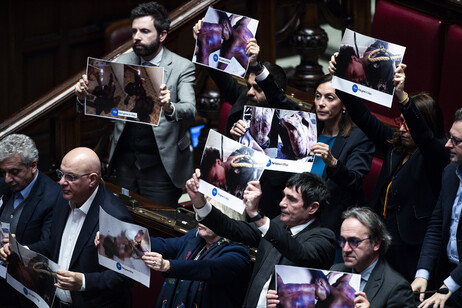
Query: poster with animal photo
(4,232)
(307,287)
(222,41)
(366,67)
(285,136)
(121,247)
(123,92)
(226,168)
(31,274)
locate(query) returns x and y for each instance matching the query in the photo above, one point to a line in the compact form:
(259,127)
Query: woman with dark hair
(410,179)
(343,154)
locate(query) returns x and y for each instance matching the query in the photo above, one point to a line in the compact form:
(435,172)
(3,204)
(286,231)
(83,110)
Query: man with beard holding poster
(154,161)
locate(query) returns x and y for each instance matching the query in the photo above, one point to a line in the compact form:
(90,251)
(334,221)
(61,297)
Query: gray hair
(458,115)
(371,220)
(19,145)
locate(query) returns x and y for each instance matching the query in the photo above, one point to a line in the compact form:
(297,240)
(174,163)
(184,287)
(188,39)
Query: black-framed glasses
(69,176)
(352,242)
(454,140)
(399,122)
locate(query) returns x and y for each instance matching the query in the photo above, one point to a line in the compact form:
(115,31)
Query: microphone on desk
(440,291)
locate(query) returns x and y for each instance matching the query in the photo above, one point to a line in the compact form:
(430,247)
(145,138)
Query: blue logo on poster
(25,291)
(119,267)
(115,112)
(214,191)
(215,58)
(355,88)
(268,163)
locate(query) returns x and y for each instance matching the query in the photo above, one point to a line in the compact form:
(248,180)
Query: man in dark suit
(364,241)
(81,281)
(27,196)
(441,252)
(155,161)
(293,238)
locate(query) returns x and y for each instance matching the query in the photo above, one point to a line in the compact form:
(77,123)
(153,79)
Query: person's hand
(197,28)
(437,300)
(156,262)
(238,130)
(192,187)
(361,300)
(97,239)
(252,194)
(164,98)
(6,238)
(398,82)
(81,87)
(252,50)
(272,299)
(419,285)
(322,150)
(5,251)
(68,280)
(333,63)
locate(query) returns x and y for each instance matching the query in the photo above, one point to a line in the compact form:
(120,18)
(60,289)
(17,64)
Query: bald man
(82,282)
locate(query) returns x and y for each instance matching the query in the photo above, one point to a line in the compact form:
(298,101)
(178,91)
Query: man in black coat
(441,252)
(293,238)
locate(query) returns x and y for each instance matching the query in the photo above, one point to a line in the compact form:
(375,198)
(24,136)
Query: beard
(146,50)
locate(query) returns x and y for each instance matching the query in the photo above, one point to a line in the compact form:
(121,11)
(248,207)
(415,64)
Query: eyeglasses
(454,140)
(352,242)
(69,176)
(400,122)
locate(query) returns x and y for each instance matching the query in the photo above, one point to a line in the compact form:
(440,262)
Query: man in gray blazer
(364,240)
(155,161)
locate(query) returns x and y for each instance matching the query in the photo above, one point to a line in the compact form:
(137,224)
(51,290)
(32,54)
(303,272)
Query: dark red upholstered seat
(224,111)
(423,36)
(449,97)
(370,180)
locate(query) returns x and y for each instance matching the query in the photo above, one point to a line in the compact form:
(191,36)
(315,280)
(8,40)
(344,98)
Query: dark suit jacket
(385,287)
(35,222)
(218,278)
(313,247)
(103,287)
(415,187)
(434,254)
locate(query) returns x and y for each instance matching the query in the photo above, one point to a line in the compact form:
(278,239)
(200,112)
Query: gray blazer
(385,287)
(174,144)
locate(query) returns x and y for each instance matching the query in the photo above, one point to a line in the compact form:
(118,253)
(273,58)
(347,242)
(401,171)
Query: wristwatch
(255,218)
(256,68)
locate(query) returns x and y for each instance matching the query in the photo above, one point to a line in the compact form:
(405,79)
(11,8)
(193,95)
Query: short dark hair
(208,161)
(370,219)
(458,115)
(343,60)
(157,11)
(312,188)
(278,73)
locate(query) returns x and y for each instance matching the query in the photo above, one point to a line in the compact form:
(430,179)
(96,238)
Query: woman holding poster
(410,179)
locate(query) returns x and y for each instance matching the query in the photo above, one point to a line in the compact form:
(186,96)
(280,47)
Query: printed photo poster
(366,67)
(4,232)
(309,288)
(285,136)
(222,40)
(31,274)
(123,92)
(226,168)
(121,247)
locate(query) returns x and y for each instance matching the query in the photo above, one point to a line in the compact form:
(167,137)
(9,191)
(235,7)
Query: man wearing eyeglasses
(81,281)
(364,241)
(27,196)
(441,252)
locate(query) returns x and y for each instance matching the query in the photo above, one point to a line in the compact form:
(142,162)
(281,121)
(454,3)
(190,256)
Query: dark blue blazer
(312,247)
(35,222)
(103,287)
(415,187)
(433,255)
(219,278)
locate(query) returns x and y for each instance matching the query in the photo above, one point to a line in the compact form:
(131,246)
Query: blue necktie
(147,63)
